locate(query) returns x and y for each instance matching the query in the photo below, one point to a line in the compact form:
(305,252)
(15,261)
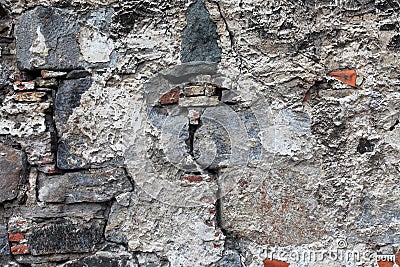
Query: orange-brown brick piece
(385,263)
(171,97)
(15,237)
(346,76)
(275,263)
(19,250)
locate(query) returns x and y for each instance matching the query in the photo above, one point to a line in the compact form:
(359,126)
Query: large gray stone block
(11,171)
(65,237)
(84,186)
(53,38)
(68,97)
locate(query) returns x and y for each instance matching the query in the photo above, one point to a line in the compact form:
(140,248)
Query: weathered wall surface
(199,133)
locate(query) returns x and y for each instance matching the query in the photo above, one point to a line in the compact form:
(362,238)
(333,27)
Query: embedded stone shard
(11,171)
(85,186)
(199,38)
(47,39)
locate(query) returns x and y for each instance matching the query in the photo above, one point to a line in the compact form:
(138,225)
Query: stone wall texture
(219,133)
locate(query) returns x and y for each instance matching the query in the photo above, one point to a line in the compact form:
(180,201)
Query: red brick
(346,76)
(192,178)
(171,97)
(19,250)
(15,237)
(398,258)
(275,263)
(385,263)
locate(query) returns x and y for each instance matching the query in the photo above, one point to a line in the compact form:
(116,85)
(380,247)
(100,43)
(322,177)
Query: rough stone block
(199,101)
(68,97)
(46,83)
(104,259)
(193,90)
(55,39)
(77,74)
(52,74)
(85,186)
(65,237)
(11,171)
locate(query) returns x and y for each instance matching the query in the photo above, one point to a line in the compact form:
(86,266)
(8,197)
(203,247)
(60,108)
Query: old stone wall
(199,133)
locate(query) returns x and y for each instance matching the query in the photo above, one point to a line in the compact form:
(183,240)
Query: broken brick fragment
(194,117)
(29,96)
(15,237)
(385,263)
(192,178)
(19,250)
(23,86)
(171,97)
(275,263)
(346,76)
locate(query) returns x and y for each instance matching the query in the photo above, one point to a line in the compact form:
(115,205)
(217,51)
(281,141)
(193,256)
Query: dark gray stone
(68,97)
(77,74)
(103,260)
(85,186)
(199,38)
(67,160)
(4,74)
(4,246)
(11,172)
(65,237)
(58,30)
